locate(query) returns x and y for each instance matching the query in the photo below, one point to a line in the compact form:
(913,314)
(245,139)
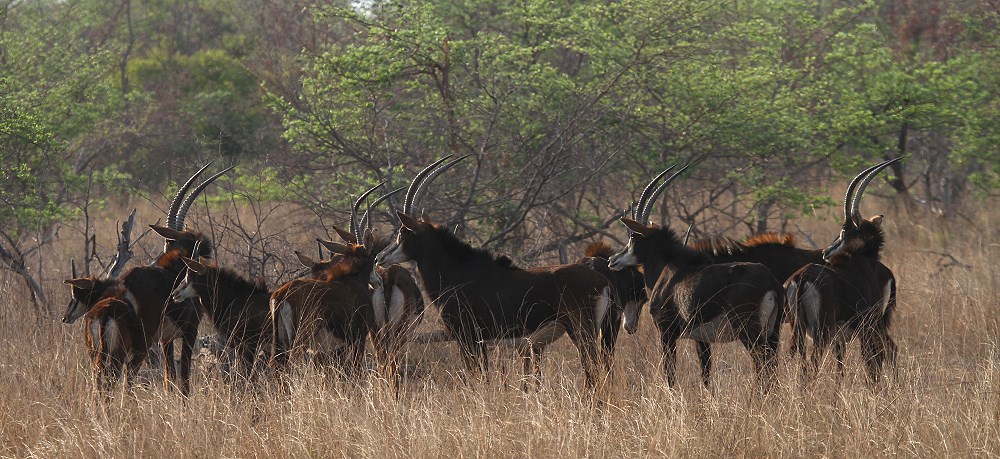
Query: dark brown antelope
(483,297)
(327,318)
(147,288)
(237,307)
(629,294)
(692,296)
(851,295)
(396,298)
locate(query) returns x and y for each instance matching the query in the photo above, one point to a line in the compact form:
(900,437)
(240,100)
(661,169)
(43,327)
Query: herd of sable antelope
(710,291)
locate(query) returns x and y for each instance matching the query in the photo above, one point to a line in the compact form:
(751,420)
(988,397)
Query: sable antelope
(325,316)
(145,289)
(692,296)
(180,242)
(396,298)
(237,307)
(116,342)
(484,297)
(148,287)
(629,293)
(852,294)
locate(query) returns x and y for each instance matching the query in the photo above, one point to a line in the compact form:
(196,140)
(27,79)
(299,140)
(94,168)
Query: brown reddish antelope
(691,296)
(851,295)
(148,287)
(329,318)
(396,298)
(483,297)
(237,307)
(146,290)
(116,342)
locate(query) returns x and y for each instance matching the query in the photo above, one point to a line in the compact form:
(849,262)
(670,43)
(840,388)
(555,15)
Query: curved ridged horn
(365,223)
(644,218)
(645,194)
(178,198)
(860,190)
(415,183)
(72,264)
(194,195)
(422,188)
(354,211)
(848,201)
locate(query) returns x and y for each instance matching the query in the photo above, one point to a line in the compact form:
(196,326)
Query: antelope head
(196,272)
(408,245)
(859,235)
(644,236)
(85,292)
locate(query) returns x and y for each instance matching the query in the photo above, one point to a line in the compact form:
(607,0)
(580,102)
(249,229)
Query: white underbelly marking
(718,330)
(396,301)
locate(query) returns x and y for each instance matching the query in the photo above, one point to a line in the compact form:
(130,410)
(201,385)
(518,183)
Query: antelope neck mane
(233,279)
(728,246)
(599,249)
(113,300)
(347,266)
(873,240)
(465,253)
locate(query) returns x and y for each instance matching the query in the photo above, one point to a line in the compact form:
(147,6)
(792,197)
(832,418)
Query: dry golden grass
(944,403)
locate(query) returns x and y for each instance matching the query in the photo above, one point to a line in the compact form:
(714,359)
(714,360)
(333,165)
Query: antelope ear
(82,282)
(194,265)
(635,226)
(335,247)
(169,234)
(304,259)
(345,235)
(408,222)
(370,237)
(877,220)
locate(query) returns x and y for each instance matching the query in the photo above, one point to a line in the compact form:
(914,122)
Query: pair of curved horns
(424,178)
(649,194)
(857,189)
(178,208)
(358,228)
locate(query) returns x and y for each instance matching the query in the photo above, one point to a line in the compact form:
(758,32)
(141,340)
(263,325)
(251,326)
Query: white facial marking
(392,254)
(78,310)
(184,291)
(623,259)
